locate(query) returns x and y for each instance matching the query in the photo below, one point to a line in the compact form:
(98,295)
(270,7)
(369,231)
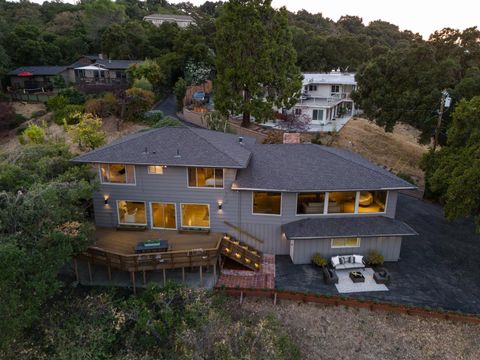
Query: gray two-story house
(298,199)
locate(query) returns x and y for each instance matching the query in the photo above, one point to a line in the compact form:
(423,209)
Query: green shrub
(319,260)
(87,132)
(180,90)
(104,106)
(168,122)
(374,258)
(406,177)
(151,118)
(73,96)
(38,114)
(143,83)
(67,114)
(33,134)
(58,82)
(57,102)
(139,101)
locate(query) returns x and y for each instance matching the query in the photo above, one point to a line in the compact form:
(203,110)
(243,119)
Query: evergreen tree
(255,60)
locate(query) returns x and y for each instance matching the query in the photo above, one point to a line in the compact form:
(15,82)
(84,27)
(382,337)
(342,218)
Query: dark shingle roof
(306,167)
(117,64)
(316,228)
(197,147)
(39,70)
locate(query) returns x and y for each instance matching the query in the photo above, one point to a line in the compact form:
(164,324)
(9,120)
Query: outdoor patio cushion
(335,261)
(358,259)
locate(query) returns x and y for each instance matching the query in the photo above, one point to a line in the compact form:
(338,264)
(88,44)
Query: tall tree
(453,173)
(256,67)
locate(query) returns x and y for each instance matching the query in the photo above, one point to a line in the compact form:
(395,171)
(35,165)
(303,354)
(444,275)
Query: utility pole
(445,101)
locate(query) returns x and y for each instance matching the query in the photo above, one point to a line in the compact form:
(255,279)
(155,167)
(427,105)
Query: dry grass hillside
(345,333)
(398,150)
(9,141)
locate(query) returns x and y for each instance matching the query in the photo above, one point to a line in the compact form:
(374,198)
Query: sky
(422,16)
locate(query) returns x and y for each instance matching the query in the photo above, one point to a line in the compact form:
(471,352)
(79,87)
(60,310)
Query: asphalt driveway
(440,268)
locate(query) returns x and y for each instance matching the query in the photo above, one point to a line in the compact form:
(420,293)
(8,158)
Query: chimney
(291,138)
(240,140)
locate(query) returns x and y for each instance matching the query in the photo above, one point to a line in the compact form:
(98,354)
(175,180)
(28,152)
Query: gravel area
(326,332)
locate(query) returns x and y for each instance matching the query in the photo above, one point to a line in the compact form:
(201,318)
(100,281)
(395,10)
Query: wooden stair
(240,252)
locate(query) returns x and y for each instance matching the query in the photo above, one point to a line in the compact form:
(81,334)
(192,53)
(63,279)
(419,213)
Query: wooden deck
(124,241)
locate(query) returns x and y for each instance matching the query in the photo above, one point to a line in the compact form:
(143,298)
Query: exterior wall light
(105,199)
(220,204)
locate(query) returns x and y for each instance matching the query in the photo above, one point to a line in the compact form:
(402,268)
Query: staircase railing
(242,231)
(241,253)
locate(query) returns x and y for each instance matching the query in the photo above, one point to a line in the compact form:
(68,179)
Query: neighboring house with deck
(36,78)
(181,20)
(295,199)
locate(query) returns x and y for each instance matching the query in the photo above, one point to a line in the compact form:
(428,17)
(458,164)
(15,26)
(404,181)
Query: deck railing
(149,261)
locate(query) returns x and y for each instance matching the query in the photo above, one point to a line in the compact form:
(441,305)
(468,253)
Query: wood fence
(350,302)
(42,98)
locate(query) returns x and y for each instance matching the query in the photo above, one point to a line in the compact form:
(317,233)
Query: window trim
(372,213)
(151,215)
(126,170)
(195,227)
(205,187)
(262,214)
(345,247)
(153,173)
(318,110)
(139,201)
(311,192)
(325,206)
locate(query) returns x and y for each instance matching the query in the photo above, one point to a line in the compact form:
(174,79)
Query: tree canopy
(256,67)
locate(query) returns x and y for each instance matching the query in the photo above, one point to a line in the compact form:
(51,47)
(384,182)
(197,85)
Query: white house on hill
(158,19)
(325,101)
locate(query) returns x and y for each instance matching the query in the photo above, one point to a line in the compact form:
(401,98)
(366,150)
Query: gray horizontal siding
(389,247)
(172,187)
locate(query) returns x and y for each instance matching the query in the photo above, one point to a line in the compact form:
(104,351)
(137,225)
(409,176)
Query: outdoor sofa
(342,262)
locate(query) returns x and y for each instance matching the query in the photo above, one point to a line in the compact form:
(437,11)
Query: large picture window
(310,203)
(372,201)
(205,177)
(341,202)
(131,212)
(117,174)
(195,215)
(163,216)
(346,243)
(269,203)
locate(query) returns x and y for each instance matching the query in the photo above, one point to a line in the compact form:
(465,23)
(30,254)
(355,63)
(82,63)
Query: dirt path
(324,332)
(398,150)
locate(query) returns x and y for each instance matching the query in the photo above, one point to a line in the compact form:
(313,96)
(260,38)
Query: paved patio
(440,268)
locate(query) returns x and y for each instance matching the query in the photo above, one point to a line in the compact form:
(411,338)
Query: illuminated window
(346,243)
(267,203)
(341,202)
(196,215)
(155,169)
(131,212)
(311,203)
(117,174)
(205,177)
(163,216)
(372,201)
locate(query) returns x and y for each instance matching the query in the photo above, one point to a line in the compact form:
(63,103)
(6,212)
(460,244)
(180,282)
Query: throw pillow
(342,261)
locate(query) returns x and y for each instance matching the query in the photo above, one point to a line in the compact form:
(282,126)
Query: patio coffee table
(151,246)
(357,276)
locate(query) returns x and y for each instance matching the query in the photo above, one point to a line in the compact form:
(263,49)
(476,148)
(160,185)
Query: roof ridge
(215,146)
(375,168)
